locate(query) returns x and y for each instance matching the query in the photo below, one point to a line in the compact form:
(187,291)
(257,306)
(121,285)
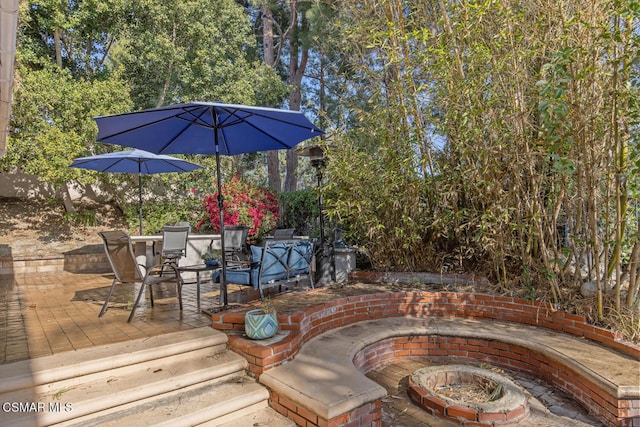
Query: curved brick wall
(508,356)
(313,321)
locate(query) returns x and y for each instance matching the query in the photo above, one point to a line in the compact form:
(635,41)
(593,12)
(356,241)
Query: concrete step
(109,389)
(187,407)
(259,415)
(61,366)
(184,378)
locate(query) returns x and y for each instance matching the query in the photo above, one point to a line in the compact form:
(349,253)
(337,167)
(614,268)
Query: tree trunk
(66,199)
(297,67)
(58,47)
(291,178)
(633,301)
(273,163)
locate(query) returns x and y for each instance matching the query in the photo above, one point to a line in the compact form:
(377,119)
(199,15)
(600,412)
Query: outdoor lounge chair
(119,251)
(275,263)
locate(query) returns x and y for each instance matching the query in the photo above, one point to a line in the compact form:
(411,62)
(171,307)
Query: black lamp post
(316,156)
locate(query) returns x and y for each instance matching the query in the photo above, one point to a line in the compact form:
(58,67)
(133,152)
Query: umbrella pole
(223,278)
(140,199)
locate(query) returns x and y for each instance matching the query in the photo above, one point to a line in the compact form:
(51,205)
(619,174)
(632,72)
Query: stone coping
(324,379)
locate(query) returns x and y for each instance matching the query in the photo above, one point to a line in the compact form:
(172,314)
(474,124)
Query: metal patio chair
(283,233)
(119,251)
(235,243)
(174,243)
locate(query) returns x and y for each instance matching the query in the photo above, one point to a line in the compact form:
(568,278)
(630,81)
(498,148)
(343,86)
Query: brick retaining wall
(315,320)
(73,263)
(606,407)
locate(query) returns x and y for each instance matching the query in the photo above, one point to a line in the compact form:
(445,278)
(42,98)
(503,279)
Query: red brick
(300,421)
(338,421)
(435,403)
(487,417)
(288,403)
(458,411)
(516,414)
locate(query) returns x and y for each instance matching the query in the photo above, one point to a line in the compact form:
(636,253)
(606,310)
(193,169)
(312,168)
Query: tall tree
(102,51)
(178,51)
(273,162)
(60,85)
(286,46)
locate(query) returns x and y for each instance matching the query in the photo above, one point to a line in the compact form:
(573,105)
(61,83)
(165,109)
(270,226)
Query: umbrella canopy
(134,161)
(208,128)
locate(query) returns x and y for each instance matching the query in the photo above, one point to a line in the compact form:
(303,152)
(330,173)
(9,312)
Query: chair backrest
(235,238)
(174,241)
(283,233)
(119,251)
(274,257)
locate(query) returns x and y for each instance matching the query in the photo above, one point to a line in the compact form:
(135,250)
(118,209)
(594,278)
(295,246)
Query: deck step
(185,378)
(190,407)
(253,416)
(61,366)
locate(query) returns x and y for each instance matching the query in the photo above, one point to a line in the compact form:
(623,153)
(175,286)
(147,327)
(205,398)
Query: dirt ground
(31,228)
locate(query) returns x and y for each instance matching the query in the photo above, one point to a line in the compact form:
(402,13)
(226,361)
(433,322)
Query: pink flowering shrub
(244,204)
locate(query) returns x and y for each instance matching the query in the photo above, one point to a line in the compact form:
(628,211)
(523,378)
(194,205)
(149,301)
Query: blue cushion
(273,263)
(256,253)
(215,276)
(300,258)
(240,276)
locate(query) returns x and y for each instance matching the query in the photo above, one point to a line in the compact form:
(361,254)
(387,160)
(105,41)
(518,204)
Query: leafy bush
(157,213)
(244,204)
(300,211)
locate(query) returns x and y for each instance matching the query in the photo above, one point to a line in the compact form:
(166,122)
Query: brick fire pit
(443,391)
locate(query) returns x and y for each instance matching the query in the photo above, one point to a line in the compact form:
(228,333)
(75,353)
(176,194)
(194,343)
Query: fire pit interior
(466,393)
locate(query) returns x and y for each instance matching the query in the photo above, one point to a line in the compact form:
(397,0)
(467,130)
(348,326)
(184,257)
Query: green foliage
(76,35)
(553,106)
(79,60)
(299,211)
(381,208)
(212,255)
(53,121)
(177,51)
(85,217)
(486,126)
(158,213)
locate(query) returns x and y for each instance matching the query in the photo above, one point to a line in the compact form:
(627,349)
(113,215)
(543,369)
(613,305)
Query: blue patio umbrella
(208,128)
(134,161)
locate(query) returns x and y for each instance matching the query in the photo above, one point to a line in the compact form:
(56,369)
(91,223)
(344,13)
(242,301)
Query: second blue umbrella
(134,161)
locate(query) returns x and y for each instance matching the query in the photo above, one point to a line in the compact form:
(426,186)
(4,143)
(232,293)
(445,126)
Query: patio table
(199,268)
(140,251)
(140,244)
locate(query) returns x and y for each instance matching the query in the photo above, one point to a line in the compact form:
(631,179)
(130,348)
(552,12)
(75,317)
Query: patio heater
(315,153)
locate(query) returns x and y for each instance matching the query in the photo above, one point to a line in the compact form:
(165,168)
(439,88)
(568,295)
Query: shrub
(244,204)
(300,211)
